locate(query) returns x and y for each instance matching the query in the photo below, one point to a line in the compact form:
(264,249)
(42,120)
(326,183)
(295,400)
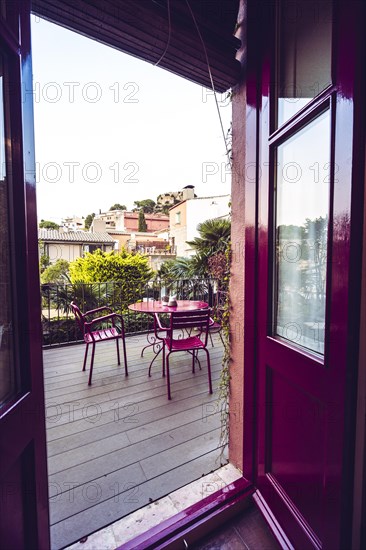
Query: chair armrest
(158,323)
(105,318)
(103,308)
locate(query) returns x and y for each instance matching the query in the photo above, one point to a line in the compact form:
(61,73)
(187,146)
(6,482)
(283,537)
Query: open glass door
(304,269)
(23,476)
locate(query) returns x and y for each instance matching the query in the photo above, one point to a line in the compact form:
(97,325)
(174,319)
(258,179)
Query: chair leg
(222,340)
(91,365)
(193,360)
(85,356)
(118,357)
(210,335)
(209,370)
(168,376)
(125,355)
(163,360)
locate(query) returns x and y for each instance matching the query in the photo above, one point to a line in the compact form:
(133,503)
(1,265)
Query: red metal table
(156,306)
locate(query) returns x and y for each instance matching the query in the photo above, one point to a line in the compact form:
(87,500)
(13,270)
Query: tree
(147,206)
(118,206)
(56,273)
(47,224)
(142,222)
(214,236)
(98,267)
(212,258)
(128,272)
(89,220)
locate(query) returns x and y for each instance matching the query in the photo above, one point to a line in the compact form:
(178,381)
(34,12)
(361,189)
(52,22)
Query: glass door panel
(9,380)
(301,226)
(304,54)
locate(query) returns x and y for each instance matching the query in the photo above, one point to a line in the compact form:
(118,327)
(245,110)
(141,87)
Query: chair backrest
(78,315)
(191,319)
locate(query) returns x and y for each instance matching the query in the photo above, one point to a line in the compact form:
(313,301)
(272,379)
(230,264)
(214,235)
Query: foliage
(147,205)
(118,206)
(89,220)
(214,236)
(55,273)
(142,227)
(224,384)
(62,330)
(210,258)
(47,224)
(44,262)
(165,273)
(130,269)
(87,296)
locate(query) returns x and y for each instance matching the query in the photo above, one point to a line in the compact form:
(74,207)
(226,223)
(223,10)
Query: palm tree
(214,236)
(212,243)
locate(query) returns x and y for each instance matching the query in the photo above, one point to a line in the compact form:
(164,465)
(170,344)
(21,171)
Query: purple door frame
(23,466)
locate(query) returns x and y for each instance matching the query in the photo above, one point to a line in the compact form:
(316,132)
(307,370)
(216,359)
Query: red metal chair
(186,321)
(94,335)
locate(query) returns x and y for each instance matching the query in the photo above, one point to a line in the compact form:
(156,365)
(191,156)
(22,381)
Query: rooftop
(74,236)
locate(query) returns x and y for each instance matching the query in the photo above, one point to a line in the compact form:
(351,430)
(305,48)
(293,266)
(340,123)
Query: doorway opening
(115,132)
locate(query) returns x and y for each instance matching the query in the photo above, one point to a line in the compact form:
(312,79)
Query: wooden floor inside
(119,444)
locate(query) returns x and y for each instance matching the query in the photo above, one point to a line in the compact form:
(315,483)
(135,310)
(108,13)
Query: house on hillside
(70,245)
(166,200)
(186,215)
(73,223)
(123,220)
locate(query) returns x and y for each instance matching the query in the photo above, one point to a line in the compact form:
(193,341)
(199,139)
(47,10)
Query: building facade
(70,245)
(123,220)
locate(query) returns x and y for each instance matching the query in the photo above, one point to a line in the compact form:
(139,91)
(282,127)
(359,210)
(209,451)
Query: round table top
(156,306)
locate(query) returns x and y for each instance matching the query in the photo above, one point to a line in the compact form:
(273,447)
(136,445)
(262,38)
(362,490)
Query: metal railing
(58,322)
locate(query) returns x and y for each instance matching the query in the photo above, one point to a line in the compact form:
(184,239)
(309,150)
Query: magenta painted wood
(303,418)
(87,322)
(23,465)
(185,322)
(251,179)
(184,523)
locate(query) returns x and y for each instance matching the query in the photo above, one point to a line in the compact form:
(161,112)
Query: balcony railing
(58,322)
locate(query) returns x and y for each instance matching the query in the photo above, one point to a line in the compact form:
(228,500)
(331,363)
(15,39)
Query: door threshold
(171,509)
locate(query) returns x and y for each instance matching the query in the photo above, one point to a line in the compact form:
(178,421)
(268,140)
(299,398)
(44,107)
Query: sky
(110,128)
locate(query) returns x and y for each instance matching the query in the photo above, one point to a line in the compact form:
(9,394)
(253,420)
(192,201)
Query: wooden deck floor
(120,444)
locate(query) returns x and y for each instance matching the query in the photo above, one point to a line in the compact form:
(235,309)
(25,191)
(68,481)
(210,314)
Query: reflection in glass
(305,42)
(302,209)
(8,385)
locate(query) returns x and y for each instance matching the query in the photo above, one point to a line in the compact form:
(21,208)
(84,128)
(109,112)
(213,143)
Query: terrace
(120,444)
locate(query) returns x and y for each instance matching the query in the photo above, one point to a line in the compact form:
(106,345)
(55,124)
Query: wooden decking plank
(64,421)
(136,434)
(88,521)
(76,497)
(147,391)
(83,497)
(108,367)
(112,420)
(155,466)
(103,467)
(90,461)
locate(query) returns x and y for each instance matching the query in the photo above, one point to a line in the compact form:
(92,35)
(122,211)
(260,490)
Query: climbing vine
(224,384)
